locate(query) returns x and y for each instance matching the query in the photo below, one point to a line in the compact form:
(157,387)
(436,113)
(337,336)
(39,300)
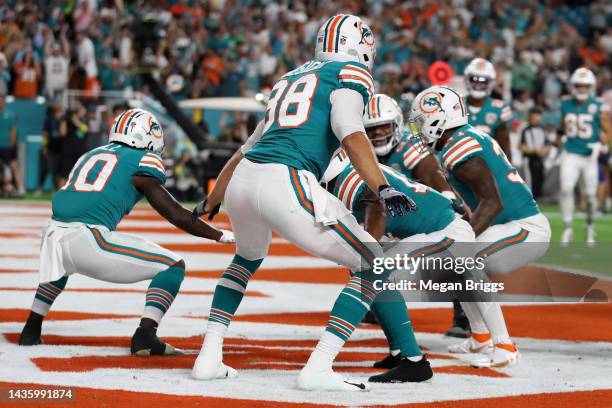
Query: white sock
(212,347)
(394,352)
(494,319)
(566,202)
(477,324)
(414,359)
(322,358)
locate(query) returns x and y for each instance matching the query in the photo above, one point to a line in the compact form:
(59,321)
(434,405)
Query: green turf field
(578,256)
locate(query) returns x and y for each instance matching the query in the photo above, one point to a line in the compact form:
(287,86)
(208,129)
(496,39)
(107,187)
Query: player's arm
(606,126)
(375,216)
(502,135)
(362,156)
(165,204)
(428,171)
(213,202)
(477,175)
(347,124)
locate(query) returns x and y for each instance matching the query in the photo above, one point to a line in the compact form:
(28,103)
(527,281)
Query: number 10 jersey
(99,190)
(297,130)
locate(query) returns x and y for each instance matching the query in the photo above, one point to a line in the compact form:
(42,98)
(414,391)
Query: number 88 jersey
(297,129)
(99,190)
(582,123)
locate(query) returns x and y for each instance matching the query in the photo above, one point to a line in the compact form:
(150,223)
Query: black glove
(394,201)
(459,207)
(198,211)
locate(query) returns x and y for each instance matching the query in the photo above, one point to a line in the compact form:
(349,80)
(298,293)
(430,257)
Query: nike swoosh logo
(358,385)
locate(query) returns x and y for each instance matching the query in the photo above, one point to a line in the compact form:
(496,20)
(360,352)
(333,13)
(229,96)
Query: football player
(510,229)
(271,184)
(434,229)
(488,114)
(585,125)
(103,187)
(395,147)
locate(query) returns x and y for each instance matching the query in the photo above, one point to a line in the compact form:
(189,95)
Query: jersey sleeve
(464,149)
(152,165)
(355,76)
(412,155)
(505,114)
(350,189)
(254,138)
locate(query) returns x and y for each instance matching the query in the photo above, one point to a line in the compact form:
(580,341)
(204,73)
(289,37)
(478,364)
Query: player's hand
(227,237)
(459,207)
(394,201)
(204,208)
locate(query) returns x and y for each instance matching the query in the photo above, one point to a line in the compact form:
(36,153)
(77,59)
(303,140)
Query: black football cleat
(388,362)
(30,335)
(146,343)
(461,325)
(405,371)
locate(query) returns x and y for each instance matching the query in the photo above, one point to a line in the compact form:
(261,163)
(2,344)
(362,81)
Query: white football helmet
(345,37)
(383,110)
(582,76)
(137,128)
(436,110)
(479,76)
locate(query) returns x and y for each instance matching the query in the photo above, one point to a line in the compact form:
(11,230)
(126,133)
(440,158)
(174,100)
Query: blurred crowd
(239,48)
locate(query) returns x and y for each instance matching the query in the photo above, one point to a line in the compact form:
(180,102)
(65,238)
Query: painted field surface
(566,348)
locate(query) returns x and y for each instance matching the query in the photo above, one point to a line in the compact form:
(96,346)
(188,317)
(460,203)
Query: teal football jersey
(99,190)
(406,155)
(582,122)
(491,115)
(434,211)
(468,142)
(297,130)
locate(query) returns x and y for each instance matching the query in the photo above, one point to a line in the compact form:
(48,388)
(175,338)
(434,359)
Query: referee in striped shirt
(535,145)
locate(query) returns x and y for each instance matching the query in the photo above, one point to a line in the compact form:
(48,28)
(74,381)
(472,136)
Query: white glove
(227,237)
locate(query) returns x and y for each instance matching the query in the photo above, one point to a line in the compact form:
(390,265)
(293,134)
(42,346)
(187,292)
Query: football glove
(227,237)
(395,202)
(198,211)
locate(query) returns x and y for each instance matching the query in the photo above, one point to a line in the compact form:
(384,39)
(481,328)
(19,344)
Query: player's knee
(179,265)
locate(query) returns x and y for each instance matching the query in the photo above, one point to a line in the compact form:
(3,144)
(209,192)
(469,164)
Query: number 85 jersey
(297,129)
(99,190)
(468,142)
(582,123)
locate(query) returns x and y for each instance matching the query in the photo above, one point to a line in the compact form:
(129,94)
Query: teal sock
(393,316)
(230,289)
(162,291)
(46,295)
(351,306)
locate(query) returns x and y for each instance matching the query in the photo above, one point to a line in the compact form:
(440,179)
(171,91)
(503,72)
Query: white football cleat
(503,355)
(566,237)
(472,345)
(327,380)
(590,236)
(204,369)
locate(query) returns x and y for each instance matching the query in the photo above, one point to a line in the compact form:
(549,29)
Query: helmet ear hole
(435,123)
(366,58)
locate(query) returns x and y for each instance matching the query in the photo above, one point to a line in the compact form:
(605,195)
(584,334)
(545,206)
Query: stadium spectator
(56,70)
(8,140)
(27,74)
(75,143)
(54,135)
